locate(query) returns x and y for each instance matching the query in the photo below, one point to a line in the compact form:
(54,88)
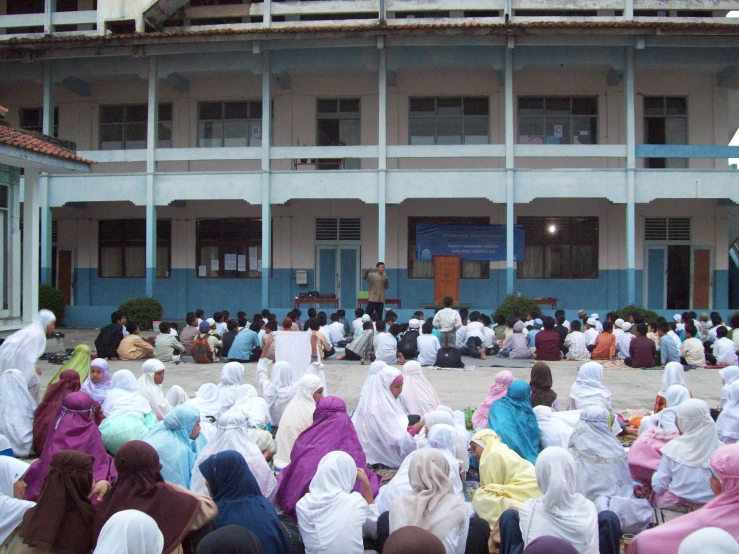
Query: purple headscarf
(74,429)
(331,430)
(98,391)
(549,545)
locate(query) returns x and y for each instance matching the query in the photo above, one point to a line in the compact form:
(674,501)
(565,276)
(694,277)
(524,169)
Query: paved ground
(458,389)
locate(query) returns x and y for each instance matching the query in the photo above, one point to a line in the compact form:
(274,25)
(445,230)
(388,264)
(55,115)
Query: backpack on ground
(408,344)
(449,356)
(201,351)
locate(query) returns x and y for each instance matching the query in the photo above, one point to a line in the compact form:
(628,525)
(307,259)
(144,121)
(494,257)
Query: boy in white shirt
(358,323)
(462,331)
(692,349)
(335,331)
(576,343)
(474,336)
(591,333)
(723,348)
(447,321)
(428,346)
(386,346)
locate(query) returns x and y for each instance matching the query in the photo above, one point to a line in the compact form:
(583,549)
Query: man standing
(377,284)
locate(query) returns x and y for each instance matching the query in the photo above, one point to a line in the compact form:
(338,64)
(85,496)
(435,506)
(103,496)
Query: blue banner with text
(469,242)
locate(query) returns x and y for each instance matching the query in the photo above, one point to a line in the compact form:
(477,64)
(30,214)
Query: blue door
(326,279)
(656,278)
(348,276)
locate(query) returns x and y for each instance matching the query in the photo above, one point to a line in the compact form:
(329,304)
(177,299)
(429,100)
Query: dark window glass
(327,106)
(229,248)
(125,127)
(448,121)
(558,120)
(211,110)
(122,248)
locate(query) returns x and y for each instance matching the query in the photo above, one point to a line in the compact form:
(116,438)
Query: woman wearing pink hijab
(721,512)
(497,390)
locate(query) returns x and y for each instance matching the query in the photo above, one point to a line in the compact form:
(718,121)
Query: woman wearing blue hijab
(513,419)
(174,440)
(240,501)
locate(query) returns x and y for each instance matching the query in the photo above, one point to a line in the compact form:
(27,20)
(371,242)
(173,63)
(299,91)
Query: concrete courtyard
(458,389)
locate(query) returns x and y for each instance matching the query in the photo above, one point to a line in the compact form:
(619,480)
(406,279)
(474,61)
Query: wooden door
(446,278)
(64,275)
(701,279)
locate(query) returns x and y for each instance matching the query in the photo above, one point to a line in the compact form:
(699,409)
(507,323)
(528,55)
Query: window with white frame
(124,127)
(32,119)
(666,122)
(229,248)
(449,121)
(122,248)
(557,120)
(230,124)
(559,248)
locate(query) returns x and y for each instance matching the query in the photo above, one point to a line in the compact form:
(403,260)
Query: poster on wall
(469,242)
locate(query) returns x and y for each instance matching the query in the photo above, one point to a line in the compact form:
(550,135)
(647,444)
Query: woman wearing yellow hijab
(79,362)
(506,479)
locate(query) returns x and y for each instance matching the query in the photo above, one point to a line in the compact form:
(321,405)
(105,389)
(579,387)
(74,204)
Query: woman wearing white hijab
(555,428)
(12,505)
(152,371)
(560,512)
(418,395)
(685,470)
(208,401)
(709,540)
(176,396)
(130,532)
(674,375)
(332,518)
(729,374)
(298,416)
(228,390)
(128,415)
(373,370)
(233,434)
(97,390)
(381,422)
(431,504)
(17,408)
(442,437)
(588,388)
(727,424)
(22,349)
(603,472)
(676,395)
(277,391)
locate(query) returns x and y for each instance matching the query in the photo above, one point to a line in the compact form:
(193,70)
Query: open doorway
(678,277)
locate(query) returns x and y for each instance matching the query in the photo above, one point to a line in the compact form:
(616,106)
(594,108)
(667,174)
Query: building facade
(600,127)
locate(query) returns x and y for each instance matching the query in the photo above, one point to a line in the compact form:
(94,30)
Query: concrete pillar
(48,129)
(31,244)
(152,128)
(266,167)
(382,160)
(509,164)
(630,192)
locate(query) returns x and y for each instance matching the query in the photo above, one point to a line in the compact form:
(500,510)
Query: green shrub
(51,298)
(515,303)
(648,315)
(142,311)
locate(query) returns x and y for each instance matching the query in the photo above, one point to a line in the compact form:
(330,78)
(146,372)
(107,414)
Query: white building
(601,128)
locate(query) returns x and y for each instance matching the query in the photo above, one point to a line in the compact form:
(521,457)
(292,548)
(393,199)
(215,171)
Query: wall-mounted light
(552,229)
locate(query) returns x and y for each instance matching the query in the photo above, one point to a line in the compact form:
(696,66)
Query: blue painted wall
(96,298)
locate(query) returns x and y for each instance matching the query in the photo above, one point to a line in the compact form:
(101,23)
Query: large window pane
(228,248)
(122,248)
(111,137)
(235,133)
(135,259)
(135,135)
(559,248)
(422,130)
(557,120)
(448,130)
(476,130)
(210,134)
(111,261)
(449,106)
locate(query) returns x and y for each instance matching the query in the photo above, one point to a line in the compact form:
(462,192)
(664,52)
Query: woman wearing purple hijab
(332,429)
(74,429)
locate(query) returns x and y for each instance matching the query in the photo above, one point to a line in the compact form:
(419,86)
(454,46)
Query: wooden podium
(446,278)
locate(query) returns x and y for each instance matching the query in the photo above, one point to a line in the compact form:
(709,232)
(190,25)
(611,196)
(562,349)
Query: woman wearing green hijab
(79,362)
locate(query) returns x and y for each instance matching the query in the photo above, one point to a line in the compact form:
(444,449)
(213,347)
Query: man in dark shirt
(561,330)
(110,337)
(232,327)
(642,351)
(547,342)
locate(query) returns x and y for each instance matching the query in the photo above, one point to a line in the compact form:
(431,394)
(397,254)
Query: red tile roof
(36,143)
(720,25)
